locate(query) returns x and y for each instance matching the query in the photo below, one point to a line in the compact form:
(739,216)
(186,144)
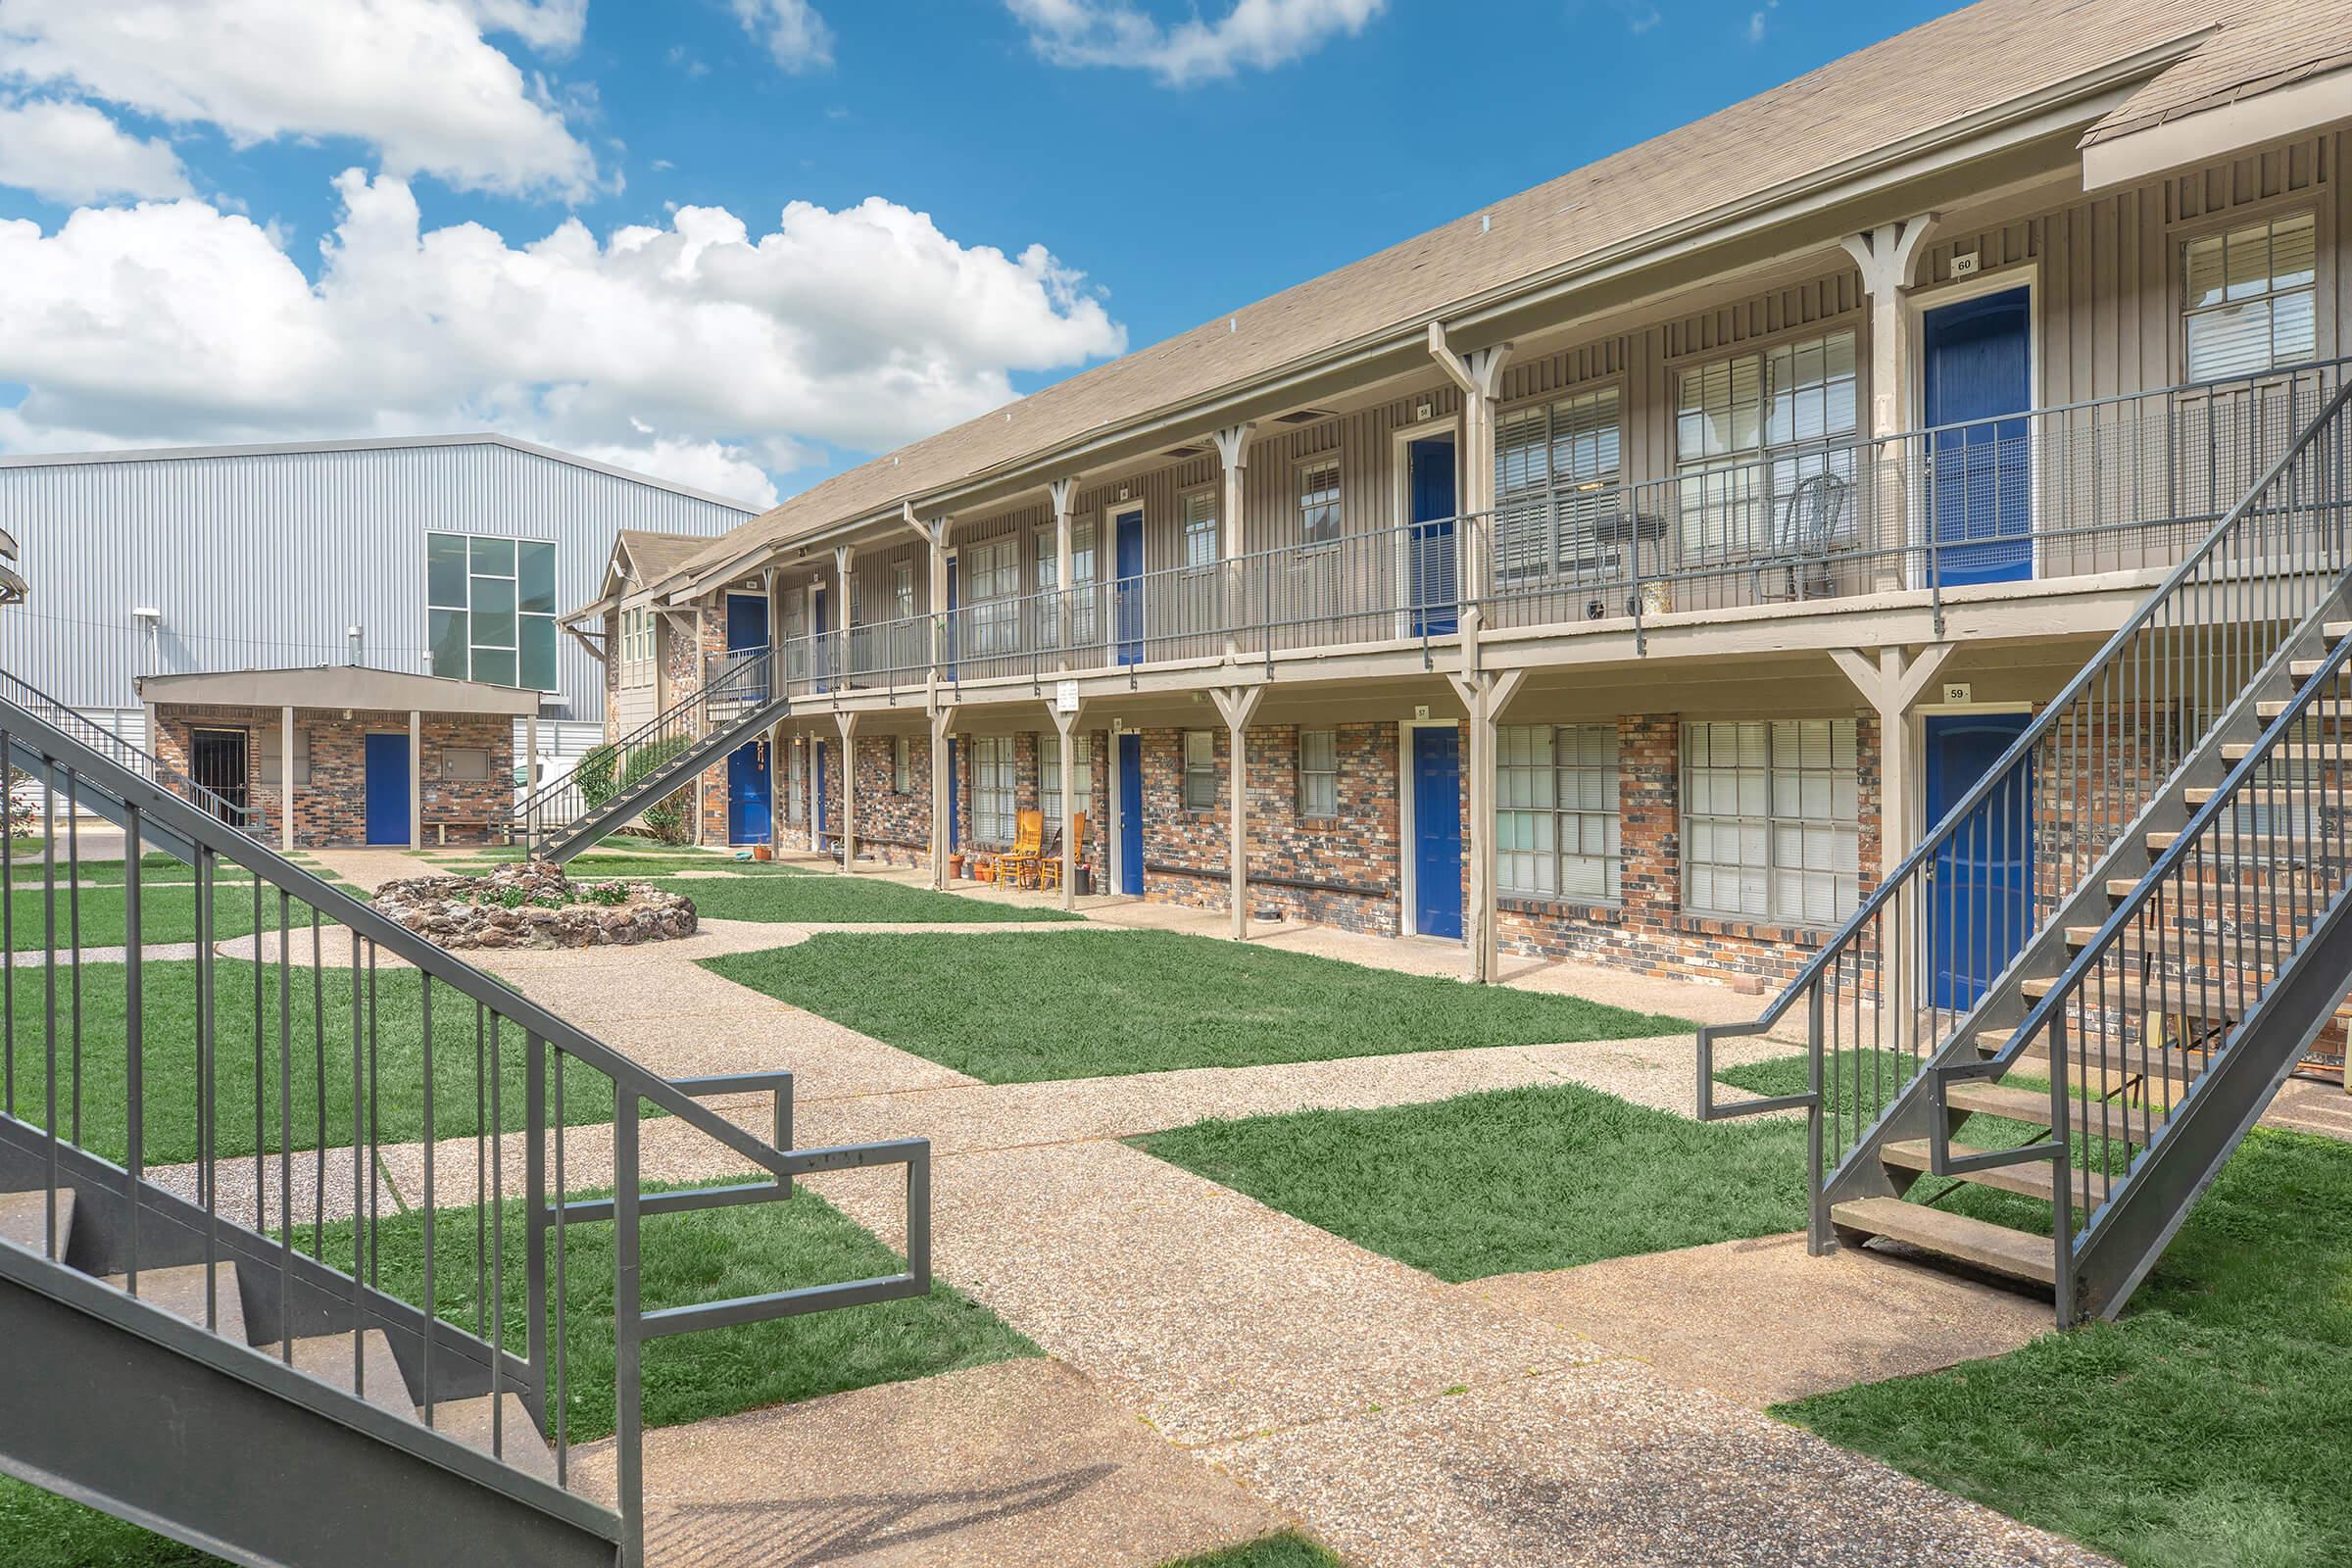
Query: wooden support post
(845,560)
(934,534)
(1478,374)
(1064,495)
(415,779)
(847,722)
(943,827)
(1483,697)
(1065,722)
(1237,704)
(1885,256)
(285,783)
(1233,456)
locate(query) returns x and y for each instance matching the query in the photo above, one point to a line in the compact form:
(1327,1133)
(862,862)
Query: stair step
(2332,711)
(2178,1065)
(2176,944)
(328,1357)
(2289,752)
(2033,1179)
(2033,1107)
(2192,998)
(2335,631)
(179,1291)
(2227,844)
(469,1421)
(1993,1247)
(2305,668)
(2227,896)
(2293,800)
(23,1219)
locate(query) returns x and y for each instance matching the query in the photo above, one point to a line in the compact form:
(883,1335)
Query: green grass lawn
(167,913)
(1285,1551)
(702,1256)
(1022,1008)
(798,896)
(168,1027)
(2210,1428)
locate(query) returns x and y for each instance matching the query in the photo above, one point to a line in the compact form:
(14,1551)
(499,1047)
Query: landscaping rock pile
(534,904)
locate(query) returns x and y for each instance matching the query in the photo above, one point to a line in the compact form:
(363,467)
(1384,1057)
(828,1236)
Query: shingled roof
(1935,76)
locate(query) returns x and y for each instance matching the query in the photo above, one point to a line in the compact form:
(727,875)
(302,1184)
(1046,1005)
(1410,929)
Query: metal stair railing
(146,764)
(741,681)
(1904,985)
(283,1076)
(2178,1019)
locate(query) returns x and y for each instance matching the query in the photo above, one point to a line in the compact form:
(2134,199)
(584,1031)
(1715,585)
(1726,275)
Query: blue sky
(1094,174)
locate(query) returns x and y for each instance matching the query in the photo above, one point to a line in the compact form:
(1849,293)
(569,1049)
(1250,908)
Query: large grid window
(636,650)
(1749,430)
(2251,298)
(1318,772)
(993,789)
(1556,818)
(1199,770)
(1770,820)
(1319,502)
(1082,577)
(491,609)
(1556,465)
(1048,775)
(992,586)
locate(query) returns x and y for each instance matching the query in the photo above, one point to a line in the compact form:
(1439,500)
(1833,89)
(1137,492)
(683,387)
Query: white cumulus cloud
(795,34)
(414,78)
(698,350)
(1259,33)
(73,152)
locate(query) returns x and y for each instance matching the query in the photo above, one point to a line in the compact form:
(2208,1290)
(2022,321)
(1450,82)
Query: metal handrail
(2225,652)
(29,699)
(145,807)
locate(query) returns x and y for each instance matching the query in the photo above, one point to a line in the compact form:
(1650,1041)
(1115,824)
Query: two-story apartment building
(1626,569)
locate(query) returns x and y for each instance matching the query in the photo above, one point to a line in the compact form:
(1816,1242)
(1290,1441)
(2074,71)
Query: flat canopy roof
(338,686)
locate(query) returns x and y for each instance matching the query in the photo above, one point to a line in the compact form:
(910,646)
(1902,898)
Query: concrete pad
(1608,1466)
(1020,1463)
(2308,1106)
(1209,1312)
(1760,1321)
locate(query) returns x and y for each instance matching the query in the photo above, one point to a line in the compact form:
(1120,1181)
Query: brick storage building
(341,755)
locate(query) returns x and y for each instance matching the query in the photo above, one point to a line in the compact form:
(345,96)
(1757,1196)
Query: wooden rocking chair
(1017,867)
(1050,868)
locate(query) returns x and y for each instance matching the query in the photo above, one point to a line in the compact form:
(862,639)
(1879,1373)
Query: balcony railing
(2118,484)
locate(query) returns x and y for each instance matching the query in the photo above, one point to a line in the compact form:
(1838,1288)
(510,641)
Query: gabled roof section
(1940,77)
(653,555)
(484,438)
(2257,55)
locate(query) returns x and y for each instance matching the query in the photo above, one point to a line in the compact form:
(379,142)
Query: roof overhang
(338,686)
(2129,155)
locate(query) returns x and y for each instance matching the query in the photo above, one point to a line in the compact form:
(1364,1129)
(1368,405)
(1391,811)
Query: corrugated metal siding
(264,560)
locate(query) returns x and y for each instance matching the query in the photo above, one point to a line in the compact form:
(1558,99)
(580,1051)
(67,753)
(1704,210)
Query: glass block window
(1200,547)
(1319,502)
(1318,772)
(2250,301)
(1556,818)
(901,775)
(1556,465)
(1048,775)
(491,609)
(1770,820)
(993,789)
(1750,429)
(1199,770)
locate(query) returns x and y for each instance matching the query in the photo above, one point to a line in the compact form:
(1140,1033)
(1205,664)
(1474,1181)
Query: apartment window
(992,586)
(1048,775)
(1199,770)
(491,609)
(1556,469)
(1769,820)
(1750,429)
(993,789)
(1318,772)
(1200,547)
(902,590)
(272,763)
(468,764)
(902,776)
(1319,502)
(2250,303)
(796,794)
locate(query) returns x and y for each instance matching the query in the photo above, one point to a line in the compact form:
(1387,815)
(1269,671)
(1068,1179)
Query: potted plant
(956,865)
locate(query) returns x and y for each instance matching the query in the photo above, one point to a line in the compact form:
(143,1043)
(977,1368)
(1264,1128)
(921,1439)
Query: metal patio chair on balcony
(1799,565)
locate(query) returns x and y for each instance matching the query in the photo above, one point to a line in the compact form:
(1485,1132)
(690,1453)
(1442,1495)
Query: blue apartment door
(1980,910)
(816,797)
(1432,575)
(748,794)
(1976,365)
(1131,815)
(1129,604)
(1438,832)
(387,761)
(747,631)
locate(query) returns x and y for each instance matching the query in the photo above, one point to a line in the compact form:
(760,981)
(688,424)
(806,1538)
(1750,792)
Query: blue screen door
(1981,910)
(1431,573)
(1976,365)
(1438,832)
(1131,815)
(387,788)
(1129,604)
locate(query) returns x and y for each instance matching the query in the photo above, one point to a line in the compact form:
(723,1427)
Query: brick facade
(331,809)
